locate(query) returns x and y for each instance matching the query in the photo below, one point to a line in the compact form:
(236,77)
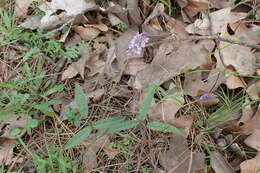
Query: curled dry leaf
(87,33)
(76,68)
(21,7)
(214,22)
(157,11)
(6,150)
(234,82)
(219,164)
(178,158)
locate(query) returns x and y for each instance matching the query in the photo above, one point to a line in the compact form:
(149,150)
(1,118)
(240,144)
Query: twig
(193,38)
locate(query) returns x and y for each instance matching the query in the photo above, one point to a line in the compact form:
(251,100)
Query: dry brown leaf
(21,7)
(200,26)
(134,12)
(165,112)
(253,140)
(251,166)
(157,11)
(178,158)
(117,14)
(249,120)
(6,150)
(95,143)
(214,22)
(253,90)
(75,68)
(134,65)
(101,27)
(234,82)
(95,65)
(195,6)
(87,33)
(177,28)
(171,61)
(12,121)
(219,164)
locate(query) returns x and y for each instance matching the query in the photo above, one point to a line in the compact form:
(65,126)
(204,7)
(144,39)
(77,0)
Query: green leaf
(108,122)
(121,126)
(147,103)
(15,132)
(78,138)
(12,86)
(162,127)
(81,101)
(56,88)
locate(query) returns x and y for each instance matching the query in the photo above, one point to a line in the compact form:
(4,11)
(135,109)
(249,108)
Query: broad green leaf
(162,127)
(15,132)
(108,122)
(81,101)
(45,107)
(56,88)
(78,138)
(147,103)
(121,126)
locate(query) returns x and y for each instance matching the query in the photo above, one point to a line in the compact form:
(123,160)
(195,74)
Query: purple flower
(138,43)
(207,97)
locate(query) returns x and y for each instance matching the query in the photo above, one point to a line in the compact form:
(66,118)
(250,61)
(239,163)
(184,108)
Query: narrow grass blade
(81,101)
(121,126)
(108,122)
(11,86)
(162,127)
(78,138)
(147,103)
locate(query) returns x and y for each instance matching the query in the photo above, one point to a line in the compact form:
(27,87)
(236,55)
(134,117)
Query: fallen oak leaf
(178,157)
(171,61)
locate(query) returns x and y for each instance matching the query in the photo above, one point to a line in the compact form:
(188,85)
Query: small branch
(193,38)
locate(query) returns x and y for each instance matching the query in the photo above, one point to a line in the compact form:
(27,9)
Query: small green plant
(121,26)
(117,124)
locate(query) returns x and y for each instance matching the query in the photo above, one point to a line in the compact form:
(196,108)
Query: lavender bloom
(138,43)
(207,97)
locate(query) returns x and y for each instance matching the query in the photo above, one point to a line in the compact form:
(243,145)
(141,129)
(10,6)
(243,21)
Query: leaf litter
(203,47)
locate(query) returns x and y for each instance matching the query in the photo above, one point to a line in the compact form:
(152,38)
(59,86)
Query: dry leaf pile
(203,47)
